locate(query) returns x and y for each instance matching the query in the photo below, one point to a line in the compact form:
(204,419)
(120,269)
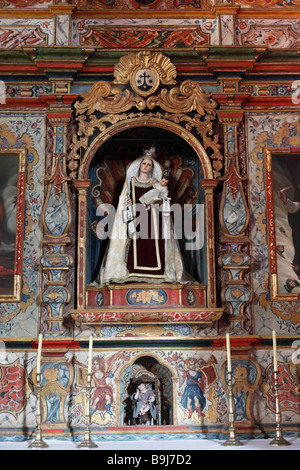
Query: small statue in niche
(143,398)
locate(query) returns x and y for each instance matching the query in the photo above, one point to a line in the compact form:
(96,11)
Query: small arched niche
(158,378)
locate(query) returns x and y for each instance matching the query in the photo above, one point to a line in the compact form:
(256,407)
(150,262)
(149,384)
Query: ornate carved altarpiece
(145,96)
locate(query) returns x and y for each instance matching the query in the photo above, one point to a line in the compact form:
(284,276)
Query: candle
(228,352)
(274,351)
(39,354)
(90,355)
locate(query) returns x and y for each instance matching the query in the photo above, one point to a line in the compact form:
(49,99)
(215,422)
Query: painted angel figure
(193,398)
(103,395)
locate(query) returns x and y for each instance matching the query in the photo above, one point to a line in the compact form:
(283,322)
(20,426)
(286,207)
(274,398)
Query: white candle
(274,351)
(90,355)
(39,354)
(228,352)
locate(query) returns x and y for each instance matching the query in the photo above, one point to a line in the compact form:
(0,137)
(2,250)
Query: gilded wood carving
(141,75)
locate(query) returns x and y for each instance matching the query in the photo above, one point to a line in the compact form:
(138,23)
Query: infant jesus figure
(144,406)
(157,194)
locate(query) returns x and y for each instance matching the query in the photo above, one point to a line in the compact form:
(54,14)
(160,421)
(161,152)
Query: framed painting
(283,210)
(12,205)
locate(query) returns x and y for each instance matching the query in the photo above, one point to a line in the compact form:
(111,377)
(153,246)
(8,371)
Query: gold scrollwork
(175,104)
(105,99)
(185,99)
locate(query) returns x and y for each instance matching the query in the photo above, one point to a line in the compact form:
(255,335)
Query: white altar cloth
(157,445)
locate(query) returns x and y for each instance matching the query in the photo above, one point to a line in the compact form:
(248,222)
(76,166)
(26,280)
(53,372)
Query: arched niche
(170,138)
(145,122)
(159,372)
(107,174)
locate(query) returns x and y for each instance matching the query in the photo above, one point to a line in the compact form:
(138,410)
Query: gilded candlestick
(38,443)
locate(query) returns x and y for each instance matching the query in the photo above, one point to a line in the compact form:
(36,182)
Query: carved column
(56,219)
(82,187)
(234,219)
(209,186)
(234,214)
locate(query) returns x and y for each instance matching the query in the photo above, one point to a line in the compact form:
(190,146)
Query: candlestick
(39,354)
(232,439)
(87,442)
(278,440)
(38,443)
(228,353)
(275,351)
(90,355)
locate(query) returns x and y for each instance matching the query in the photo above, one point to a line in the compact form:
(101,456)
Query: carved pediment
(144,72)
(145,86)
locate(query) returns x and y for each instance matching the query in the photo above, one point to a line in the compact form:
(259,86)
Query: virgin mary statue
(142,249)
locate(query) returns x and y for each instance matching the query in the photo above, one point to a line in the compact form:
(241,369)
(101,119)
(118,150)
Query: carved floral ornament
(139,76)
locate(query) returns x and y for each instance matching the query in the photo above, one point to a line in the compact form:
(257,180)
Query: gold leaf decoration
(129,65)
(185,99)
(104,105)
(105,99)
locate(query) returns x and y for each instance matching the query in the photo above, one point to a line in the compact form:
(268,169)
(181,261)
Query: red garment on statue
(146,255)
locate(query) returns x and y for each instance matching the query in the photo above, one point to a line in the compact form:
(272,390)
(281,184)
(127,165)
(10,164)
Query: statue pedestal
(147,295)
(146,303)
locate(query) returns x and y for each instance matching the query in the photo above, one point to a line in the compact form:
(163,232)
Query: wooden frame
(12,208)
(282,170)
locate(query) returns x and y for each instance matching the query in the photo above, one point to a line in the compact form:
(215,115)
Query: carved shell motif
(145,70)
